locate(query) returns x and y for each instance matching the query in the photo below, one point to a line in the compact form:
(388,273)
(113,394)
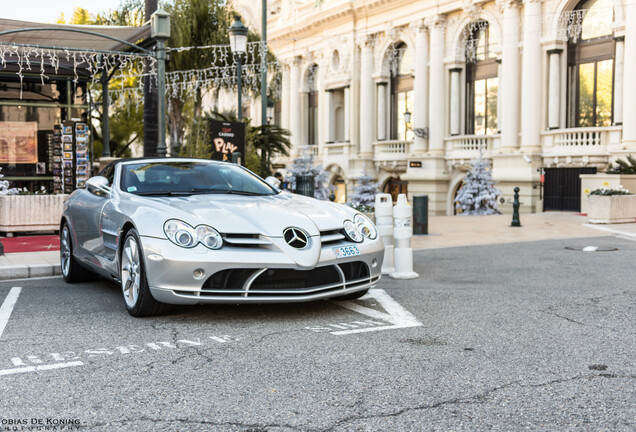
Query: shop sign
(18,142)
(227,138)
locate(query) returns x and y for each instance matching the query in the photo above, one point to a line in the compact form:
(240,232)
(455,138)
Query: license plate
(346,251)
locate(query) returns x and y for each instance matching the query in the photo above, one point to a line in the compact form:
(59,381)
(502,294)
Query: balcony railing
(391,149)
(467,147)
(580,141)
(337,149)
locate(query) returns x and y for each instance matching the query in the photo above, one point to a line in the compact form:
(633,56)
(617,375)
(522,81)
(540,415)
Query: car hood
(267,215)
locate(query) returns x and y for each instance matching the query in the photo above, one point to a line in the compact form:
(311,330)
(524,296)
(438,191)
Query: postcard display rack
(70,156)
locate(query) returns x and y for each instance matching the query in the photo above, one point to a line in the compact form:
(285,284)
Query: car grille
(246,240)
(258,241)
(287,282)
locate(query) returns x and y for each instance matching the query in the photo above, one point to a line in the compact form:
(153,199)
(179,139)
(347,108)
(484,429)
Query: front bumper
(255,275)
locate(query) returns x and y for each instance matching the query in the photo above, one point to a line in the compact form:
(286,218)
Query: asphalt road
(526,336)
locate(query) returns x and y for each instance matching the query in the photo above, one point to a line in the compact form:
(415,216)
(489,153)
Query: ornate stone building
(411,92)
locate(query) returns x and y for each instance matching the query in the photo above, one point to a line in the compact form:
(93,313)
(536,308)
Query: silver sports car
(187,231)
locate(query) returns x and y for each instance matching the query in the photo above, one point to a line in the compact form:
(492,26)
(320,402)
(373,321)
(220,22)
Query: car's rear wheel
(137,297)
(72,271)
(353,296)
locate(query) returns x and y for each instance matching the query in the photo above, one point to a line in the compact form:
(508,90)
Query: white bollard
(384,223)
(403,231)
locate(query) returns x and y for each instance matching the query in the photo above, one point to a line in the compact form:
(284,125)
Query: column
(366,98)
(455,102)
(420,86)
(294,107)
(618,80)
(510,71)
(285,109)
(629,72)
(436,106)
(499,99)
(346,108)
(531,77)
(554,89)
(331,137)
(382,109)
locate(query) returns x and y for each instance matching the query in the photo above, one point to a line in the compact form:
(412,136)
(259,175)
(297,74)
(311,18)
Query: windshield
(187,178)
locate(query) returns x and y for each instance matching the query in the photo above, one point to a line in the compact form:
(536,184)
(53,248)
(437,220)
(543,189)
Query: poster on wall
(18,142)
(227,138)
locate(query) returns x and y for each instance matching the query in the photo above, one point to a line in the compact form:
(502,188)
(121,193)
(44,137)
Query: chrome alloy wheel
(131,271)
(65,251)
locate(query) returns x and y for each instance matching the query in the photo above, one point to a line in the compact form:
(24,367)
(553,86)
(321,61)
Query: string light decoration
(469,40)
(570,24)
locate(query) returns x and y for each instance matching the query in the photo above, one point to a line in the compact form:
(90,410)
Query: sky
(48,11)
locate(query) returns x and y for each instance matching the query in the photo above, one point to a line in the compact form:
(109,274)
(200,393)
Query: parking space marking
(395,313)
(7,307)
(625,235)
(39,368)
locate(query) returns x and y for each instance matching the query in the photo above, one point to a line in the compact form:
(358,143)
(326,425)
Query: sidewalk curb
(29,271)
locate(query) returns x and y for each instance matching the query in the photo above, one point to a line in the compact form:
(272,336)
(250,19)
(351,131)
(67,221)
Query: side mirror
(98,185)
(273,182)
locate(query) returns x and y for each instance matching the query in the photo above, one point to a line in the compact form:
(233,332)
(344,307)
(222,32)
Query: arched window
(401,90)
(482,83)
(591,67)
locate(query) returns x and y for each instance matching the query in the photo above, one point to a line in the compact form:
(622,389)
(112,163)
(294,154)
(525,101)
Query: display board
(71,166)
(18,142)
(227,138)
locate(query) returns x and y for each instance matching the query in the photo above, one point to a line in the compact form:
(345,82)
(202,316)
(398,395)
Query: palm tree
(269,139)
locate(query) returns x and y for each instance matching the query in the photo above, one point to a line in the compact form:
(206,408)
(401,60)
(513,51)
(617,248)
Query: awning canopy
(71,39)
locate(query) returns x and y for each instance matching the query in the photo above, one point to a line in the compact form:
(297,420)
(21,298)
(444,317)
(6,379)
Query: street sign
(227,138)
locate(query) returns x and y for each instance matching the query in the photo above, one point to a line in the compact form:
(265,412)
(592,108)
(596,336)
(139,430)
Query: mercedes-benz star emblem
(295,237)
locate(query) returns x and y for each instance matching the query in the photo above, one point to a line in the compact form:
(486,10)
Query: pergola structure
(100,49)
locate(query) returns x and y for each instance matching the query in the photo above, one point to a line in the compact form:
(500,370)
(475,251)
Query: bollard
(384,223)
(515,210)
(403,231)
(420,214)
(305,185)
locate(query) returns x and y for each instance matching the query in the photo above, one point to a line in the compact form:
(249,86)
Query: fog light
(374,263)
(198,274)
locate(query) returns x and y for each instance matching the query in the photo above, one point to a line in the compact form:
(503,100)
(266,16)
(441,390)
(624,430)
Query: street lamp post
(270,110)
(160,31)
(238,44)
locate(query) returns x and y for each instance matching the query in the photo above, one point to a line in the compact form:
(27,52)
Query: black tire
(143,303)
(72,271)
(353,296)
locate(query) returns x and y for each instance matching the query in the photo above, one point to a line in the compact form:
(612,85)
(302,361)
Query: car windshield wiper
(227,191)
(160,193)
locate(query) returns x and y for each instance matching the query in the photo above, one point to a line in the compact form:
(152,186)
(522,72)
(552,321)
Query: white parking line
(7,307)
(39,368)
(627,236)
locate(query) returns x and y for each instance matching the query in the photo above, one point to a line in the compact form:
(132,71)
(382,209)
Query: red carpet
(30,243)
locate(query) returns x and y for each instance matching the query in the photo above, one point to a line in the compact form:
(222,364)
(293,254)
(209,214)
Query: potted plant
(611,206)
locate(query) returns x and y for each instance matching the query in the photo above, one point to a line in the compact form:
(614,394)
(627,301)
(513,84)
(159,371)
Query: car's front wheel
(137,297)
(72,271)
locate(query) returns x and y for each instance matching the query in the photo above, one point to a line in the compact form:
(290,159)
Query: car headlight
(352,232)
(365,226)
(209,237)
(182,234)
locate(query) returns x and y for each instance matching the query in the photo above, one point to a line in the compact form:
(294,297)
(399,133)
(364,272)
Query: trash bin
(420,214)
(305,185)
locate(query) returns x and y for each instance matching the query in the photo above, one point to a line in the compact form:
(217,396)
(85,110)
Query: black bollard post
(515,209)
(332,197)
(305,185)
(420,214)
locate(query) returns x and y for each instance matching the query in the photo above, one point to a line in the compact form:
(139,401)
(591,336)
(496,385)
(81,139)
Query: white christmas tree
(4,187)
(304,165)
(478,195)
(364,192)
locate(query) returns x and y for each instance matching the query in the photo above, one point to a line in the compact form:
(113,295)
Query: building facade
(411,92)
